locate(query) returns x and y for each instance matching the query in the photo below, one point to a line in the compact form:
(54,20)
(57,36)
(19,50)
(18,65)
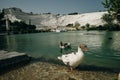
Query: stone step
(12,58)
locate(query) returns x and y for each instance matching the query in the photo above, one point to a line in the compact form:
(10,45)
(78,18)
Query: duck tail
(59,58)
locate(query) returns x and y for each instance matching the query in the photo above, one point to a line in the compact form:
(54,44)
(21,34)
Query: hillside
(52,20)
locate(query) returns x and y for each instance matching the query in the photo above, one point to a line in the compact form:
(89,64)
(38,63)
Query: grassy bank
(50,71)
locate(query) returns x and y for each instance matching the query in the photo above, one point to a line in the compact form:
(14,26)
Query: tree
(31,13)
(87,26)
(69,25)
(77,25)
(113,7)
(107,18)
(75,13)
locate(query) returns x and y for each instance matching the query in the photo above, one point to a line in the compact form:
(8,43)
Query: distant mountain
(51,20)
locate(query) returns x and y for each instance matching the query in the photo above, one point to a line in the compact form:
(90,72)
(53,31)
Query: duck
(74,59)
(119,76)
(64,45)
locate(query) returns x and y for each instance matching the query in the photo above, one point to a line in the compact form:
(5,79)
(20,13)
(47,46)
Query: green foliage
(22,27)
(76,26)
(87,25)
(69,25)
(83,27)
(109,27)
(107,18)
(1,16)
(2,22)
(75,13)
(106,4)
(16,27)
(113,7)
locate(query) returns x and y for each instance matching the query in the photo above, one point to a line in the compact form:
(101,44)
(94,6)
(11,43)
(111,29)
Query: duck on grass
(74,59)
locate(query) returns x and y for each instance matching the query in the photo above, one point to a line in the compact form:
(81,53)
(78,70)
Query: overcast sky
(54,6)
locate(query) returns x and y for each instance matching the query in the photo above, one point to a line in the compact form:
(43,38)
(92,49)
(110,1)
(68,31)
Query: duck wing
(68,58)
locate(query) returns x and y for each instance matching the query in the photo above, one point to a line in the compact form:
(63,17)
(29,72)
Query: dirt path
(49,71)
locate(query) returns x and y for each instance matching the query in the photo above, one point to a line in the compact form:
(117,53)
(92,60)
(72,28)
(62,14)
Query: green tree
(69,25)
(113,7)
(87,26)
(107,18)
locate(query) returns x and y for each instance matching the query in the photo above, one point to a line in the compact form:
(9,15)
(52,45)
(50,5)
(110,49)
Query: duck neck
(80,51)
(61,44)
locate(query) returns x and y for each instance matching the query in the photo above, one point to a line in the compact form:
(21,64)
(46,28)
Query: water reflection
(108,40)
(65,50)
(8,43)
(3,42)
(102,51)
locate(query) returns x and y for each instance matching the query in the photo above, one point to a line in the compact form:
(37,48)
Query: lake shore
(49,71)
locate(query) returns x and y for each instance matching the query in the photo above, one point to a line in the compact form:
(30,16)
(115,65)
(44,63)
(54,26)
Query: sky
(54,6)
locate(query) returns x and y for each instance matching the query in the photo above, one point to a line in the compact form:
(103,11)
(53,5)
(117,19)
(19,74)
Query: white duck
(74,59)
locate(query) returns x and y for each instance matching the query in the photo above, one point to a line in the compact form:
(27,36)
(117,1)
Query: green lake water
(103,51)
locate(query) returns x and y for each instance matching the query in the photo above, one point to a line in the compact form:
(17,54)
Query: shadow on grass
(11,67)
(82,67)
(97,68)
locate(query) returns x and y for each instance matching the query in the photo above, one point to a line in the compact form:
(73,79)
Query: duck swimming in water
(64,45)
